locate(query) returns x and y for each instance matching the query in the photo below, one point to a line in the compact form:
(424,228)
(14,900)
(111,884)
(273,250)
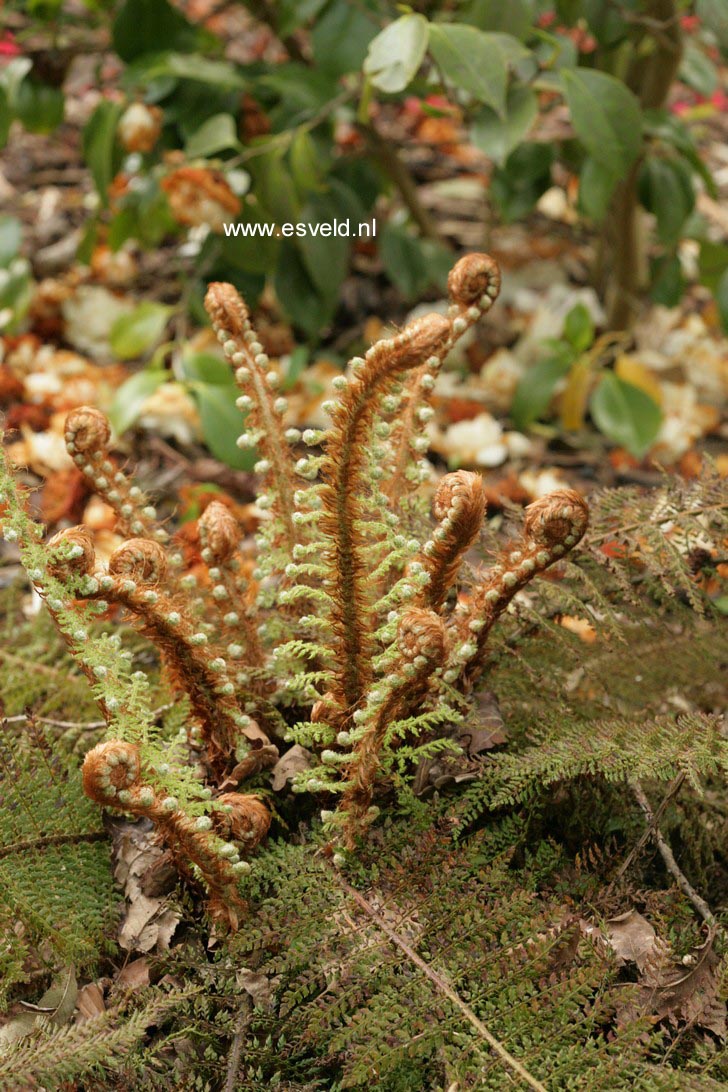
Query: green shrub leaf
(625,414)
(474,61)
(101,149)
(143,26)
(206,368)
(497,136)
(714,15)
(395,55)
(11,235)
(217,134)
(606,116)
(133,334)
(222,422)
(665,189)
(579,328)
(596,186)
(536,388)
(131,396)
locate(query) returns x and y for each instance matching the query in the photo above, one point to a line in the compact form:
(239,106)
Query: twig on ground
(236,1049)
(669,859)
(87,726)
(443,986)
(649,830)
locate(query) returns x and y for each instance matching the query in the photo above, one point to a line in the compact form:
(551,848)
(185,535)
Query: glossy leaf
(514,17)
(222,422)
(712,263)
(721,299)
(396,53)
(625,414)
(297,292)
(131,396)
(39,107)
(6,117)
(134,334)
(306,164)
(341,36)
(411,263)
(714,15)
(474,61)
(517,185)
(629,369)
(667,283)
(252,253)
(698,71)
(579,328)
(325,254)
(606,117)
(217,134)
(11,236)
(536,389)
(101,149)
(497,136)
(206,368)
(145,26)
(596,186)
(221,75)
(665,189)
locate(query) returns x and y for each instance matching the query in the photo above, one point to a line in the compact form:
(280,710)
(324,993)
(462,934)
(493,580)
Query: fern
(52,846)
(404,936)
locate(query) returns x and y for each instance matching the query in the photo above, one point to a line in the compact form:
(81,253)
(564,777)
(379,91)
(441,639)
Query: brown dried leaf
(258,986)
(634,940)
(487,729)
(294,761)
(148,923)
(684,993)
(688,992)
(89,1003)
(135,975)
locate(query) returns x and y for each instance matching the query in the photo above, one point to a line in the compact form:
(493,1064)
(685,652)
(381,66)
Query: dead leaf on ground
(89,1003)
(486,728)
(57,1006)
(633,940)
(687,993)
(134,976)
(148,922)
(294,761)
(259,986)
(681,993)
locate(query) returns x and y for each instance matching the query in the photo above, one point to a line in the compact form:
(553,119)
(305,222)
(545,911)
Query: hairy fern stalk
(345,637)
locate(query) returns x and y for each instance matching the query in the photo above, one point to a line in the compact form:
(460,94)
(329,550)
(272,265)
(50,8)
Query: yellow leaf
(631,371)
(574,398)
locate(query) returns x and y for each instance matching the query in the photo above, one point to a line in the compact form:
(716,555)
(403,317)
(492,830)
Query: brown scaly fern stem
(114,775)
(422,643)
(474,282)
(459,507)
(233,598)
(554,524)
(473,285)
(87,435)
(343,473)
(231,323)
(135,572)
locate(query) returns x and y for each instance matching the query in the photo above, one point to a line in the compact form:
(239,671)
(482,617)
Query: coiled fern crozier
(343,635)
